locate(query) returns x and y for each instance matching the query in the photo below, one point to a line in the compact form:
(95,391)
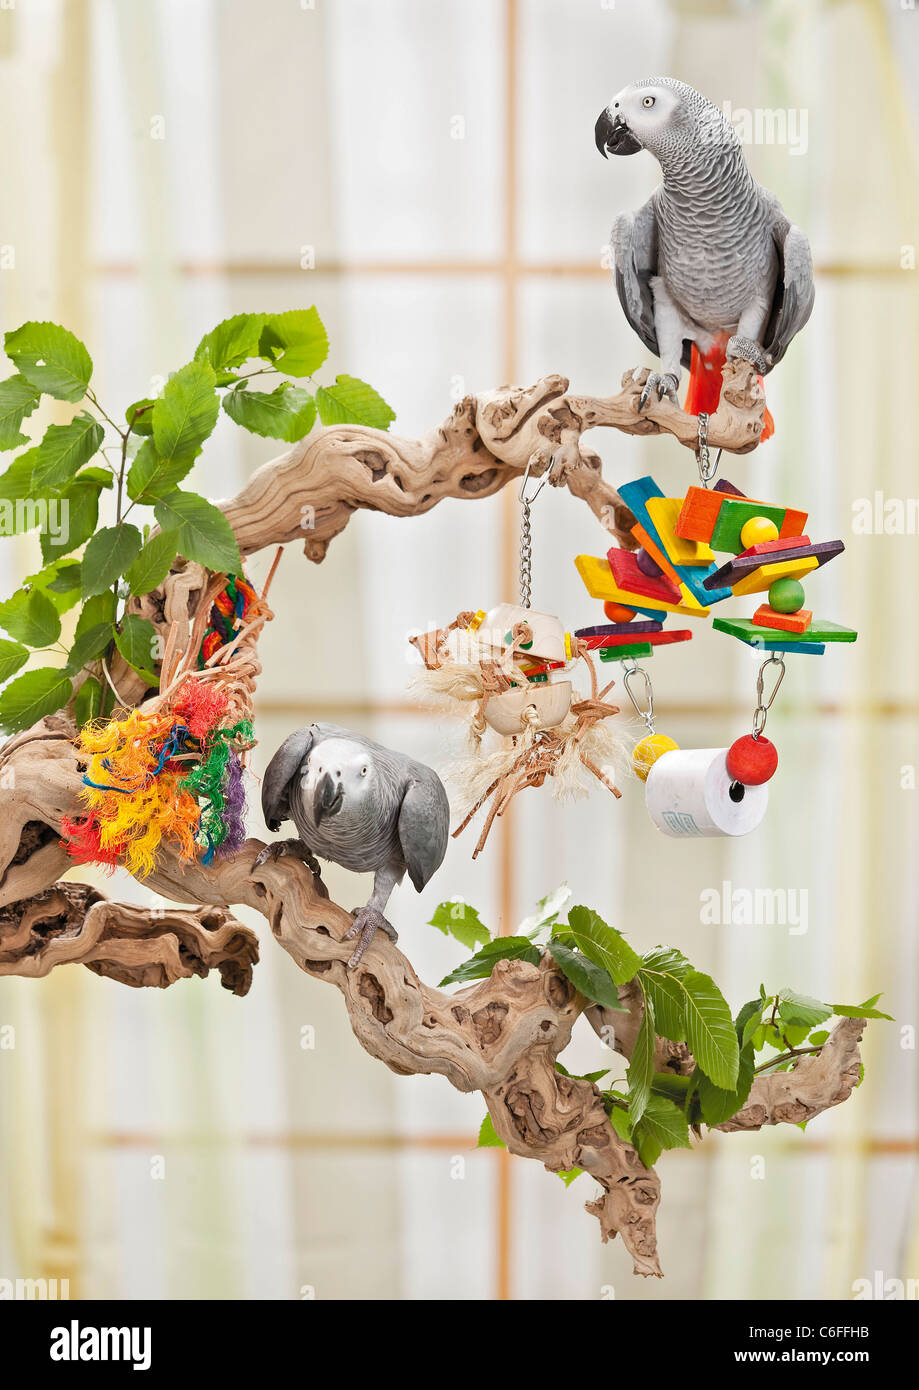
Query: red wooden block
(656,639)
(783,543)
(629,577)
(791,622)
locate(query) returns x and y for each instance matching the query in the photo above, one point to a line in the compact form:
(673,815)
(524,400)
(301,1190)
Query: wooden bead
(617,612)
(751,761)
(647,564)
(647,751)
(757,530)
(786,595)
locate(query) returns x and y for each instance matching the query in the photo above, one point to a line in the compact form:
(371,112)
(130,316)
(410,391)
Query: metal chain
(707,469)
(763,707)
(630,669)
(526,535)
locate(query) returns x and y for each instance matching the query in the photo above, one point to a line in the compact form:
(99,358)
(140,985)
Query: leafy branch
(55,486)
(654,1110)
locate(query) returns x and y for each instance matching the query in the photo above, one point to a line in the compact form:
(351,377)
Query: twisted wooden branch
(500,1036)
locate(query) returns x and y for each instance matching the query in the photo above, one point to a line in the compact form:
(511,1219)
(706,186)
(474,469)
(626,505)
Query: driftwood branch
(500,1036)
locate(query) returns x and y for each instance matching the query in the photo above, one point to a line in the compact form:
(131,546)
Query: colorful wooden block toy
(717,517)
(799,621)
(600,583)
(792,548)
(819,631)
(637,495)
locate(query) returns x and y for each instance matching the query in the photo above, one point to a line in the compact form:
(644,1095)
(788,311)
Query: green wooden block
(819,631)
(733,516)
(619,653)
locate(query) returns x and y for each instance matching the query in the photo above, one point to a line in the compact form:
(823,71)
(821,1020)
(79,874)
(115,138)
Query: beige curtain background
(189,1144)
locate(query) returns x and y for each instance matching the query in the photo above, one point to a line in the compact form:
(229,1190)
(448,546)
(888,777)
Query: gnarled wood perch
(500,1036)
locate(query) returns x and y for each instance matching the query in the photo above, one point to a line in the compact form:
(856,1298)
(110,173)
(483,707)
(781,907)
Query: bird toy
(171,770)
(510,667)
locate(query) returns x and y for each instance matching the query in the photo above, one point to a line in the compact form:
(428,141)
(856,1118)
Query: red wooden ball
(751,761)
(617,612)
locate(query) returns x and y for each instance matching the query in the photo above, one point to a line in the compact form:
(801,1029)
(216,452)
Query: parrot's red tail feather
(704,390)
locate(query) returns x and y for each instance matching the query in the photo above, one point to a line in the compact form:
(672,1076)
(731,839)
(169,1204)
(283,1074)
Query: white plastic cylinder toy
(689,794)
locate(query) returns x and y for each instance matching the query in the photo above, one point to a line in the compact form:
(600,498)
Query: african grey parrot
(362,806)
(710,267)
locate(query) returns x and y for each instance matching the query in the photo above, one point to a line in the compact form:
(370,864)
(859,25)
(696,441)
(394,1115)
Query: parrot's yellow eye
(648,101)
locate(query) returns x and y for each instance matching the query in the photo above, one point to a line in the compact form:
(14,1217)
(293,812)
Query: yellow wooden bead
(648,750)
(757,531)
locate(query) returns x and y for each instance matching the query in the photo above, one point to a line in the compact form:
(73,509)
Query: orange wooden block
(701,506)
(790,622)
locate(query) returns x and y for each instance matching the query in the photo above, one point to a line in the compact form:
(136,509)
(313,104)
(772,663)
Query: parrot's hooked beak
(327,798)
(614,136)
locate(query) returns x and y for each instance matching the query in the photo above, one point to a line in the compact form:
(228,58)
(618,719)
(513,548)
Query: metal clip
(646,715)
(763,706)
(707,469)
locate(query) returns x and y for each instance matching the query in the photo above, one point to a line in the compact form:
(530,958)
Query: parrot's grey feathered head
(339,778)
(663,116)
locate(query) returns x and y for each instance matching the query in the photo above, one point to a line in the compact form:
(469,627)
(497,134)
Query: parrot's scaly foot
(664,383)
(748,351)
(367,922)
(295,849)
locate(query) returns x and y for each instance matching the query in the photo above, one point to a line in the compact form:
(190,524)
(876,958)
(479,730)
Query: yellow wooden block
(599,583)
(758,580)
(664,512)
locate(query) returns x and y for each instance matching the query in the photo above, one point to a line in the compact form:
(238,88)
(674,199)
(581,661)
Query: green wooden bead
(786,596)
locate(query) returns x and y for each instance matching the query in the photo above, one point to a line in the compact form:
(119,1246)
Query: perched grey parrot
(362,806)
(710,267)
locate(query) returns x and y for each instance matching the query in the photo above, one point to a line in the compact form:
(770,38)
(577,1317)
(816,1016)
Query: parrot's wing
(283,767)
(634,243)
(424,825)
(794,289)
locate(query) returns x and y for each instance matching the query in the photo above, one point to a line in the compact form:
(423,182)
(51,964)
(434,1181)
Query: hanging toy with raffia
(170,772)
(510,669)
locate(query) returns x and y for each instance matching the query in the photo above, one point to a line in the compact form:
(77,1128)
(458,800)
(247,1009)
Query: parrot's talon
(664,383)
(367,922)
(294,849)
(748,351)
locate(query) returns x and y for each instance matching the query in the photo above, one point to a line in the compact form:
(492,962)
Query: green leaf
(604,945)
(151,477)
(668,960)
(59,584)
(641,1066)
(456,918)
(353,402)
(18,398)
(488,1136)
(861,1010)
(288,412)
(296,342)
(30,617)
(98,609)
(619,1119)
(30,697)
(107,556)
(589,979)
(153,563)
(82,514)
(89,644)
(186,412)
(568,1175)
(802,1009)
(649,1148)
(718,1103)
(663,1123)
(51,359)
(12,656)
(547,910)
(710,1030)
(668,998)
(592,1076)
(205,534)
(16,484)
(64,449)
(88,704)
(480,966)
(232,342)
(819,1038)
(138,642)
(139,416)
